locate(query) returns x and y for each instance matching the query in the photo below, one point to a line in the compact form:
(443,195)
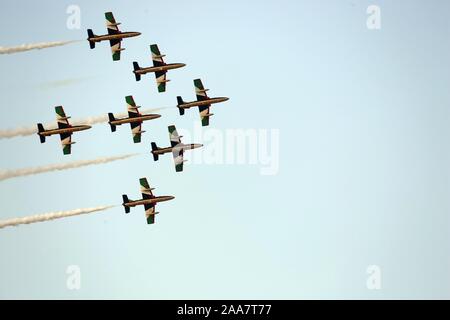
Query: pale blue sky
(364,176)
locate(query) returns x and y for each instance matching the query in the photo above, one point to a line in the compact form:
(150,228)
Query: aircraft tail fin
(40,130)
(91,35)
(180,102)
(126,200)
(136,68)
(111,118)
(154,148)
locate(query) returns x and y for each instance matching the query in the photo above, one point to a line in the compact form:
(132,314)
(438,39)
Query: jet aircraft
(64,130)
(203,102)
(115,36)
(160,68)
(148,200)
(135,119)
(177,148)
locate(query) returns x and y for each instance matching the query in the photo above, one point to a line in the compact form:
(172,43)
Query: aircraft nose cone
(171,197)
(226,98)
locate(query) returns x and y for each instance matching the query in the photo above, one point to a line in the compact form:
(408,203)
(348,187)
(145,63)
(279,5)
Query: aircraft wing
(116,47)
(177,153)
(157,57)
(150,213)
(200,90)
(136,131)
(178,159)
(161,80)
(111,23)
(61,118)
(158,61)
(145,189)
(147,194)
(173,136)
(204,114)
(116,44)
(133,110)
(63,122)
(66,142)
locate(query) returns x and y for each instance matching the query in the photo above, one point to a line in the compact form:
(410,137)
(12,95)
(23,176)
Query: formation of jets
(135,118)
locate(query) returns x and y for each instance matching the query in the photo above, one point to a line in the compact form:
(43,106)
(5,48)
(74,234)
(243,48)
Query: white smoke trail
(28,131)
(8,174)
(19,131)
(32,46)
(104,118)
(63,82)
(50,216)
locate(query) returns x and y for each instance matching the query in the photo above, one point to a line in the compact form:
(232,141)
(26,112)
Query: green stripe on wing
(60,111)
(116,56)
(151,219)
(154,49)
(66,149)
(130,101)
(109,16)
(137,138)
(143,182)
(162,87)
(205,121)
(198,84)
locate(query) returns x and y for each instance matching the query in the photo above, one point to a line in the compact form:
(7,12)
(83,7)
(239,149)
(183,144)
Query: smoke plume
(50,216)
(8,174)
(33,46)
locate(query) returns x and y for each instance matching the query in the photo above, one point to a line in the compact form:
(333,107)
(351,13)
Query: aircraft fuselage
(141,118)
(142,202)
(165,67)
(178,148)
(116,36)
(200,103)
(64,130)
